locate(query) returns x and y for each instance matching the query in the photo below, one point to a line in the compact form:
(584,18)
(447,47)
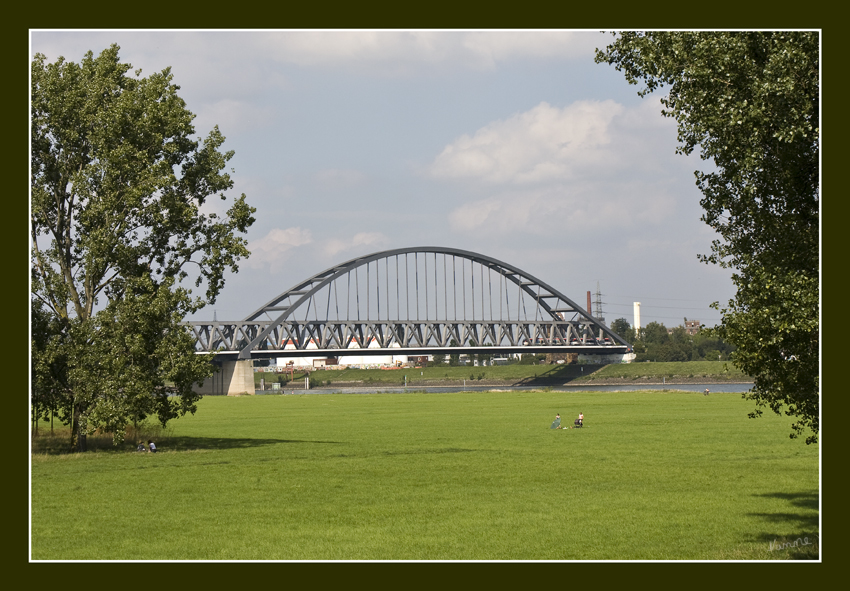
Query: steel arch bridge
(412,301)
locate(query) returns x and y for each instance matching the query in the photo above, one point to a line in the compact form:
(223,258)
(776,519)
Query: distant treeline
(655,343)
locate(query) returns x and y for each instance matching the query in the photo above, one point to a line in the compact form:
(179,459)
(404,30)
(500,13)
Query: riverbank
(543,382)
(553,375)
(669,388)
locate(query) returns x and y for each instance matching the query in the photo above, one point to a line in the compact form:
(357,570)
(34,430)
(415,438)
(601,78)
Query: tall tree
(655,333)
(622,327)
(749,102)
(117,185)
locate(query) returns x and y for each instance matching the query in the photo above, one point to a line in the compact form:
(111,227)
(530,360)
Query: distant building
(691,327)
(342,360)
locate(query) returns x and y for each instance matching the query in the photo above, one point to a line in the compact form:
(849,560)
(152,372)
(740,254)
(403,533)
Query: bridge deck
(417,351)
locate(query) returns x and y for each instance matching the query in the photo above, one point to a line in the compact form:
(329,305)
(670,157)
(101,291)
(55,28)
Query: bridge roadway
(419,351)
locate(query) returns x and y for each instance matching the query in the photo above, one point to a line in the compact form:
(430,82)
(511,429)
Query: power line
(650,317)
(640,299)
(644,317)
(662,307)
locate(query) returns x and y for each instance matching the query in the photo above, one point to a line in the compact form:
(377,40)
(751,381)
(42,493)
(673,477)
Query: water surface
(433,389)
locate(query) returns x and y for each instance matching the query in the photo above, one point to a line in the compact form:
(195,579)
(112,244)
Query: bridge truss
(412,301)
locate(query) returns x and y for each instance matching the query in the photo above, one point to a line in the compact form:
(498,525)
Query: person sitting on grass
(141,447)
(152,446)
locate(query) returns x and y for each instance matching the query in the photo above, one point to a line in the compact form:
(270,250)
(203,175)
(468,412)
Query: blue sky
(513,144)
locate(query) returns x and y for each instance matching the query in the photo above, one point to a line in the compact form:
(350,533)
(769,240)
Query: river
(739,388)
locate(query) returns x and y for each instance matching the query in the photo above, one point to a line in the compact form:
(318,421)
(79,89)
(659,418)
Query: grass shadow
(802,518)
(184,443)
(58,443)
(559,375)
(808,500)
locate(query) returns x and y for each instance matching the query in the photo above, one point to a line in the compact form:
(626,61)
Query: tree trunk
(73,446)
(74,429)
(78,439)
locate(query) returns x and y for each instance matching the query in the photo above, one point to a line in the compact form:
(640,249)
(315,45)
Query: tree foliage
(117,186)
(748,102)
(657,344)
(622,327)
(655,333)
(439,359)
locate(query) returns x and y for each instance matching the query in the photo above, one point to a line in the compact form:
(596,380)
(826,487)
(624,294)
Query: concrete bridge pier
(233,378)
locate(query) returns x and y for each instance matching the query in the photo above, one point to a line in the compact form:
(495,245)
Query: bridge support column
(234,378)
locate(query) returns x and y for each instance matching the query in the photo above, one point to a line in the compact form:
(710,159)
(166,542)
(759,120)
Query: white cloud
(273,249)
(573,211)
(506,45)
(334,246)
(244,64)
(396,51)
(543,144)
(242,57)
(584,171)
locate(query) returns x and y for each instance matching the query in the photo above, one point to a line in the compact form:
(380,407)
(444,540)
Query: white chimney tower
(637,318)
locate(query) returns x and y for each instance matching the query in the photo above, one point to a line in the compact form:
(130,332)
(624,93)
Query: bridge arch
(414,300)
(540,292)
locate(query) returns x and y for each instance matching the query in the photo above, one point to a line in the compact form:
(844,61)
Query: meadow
(721,371)
(659,475)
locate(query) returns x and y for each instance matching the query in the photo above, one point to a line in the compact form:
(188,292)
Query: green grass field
(468,476)
(714,370)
